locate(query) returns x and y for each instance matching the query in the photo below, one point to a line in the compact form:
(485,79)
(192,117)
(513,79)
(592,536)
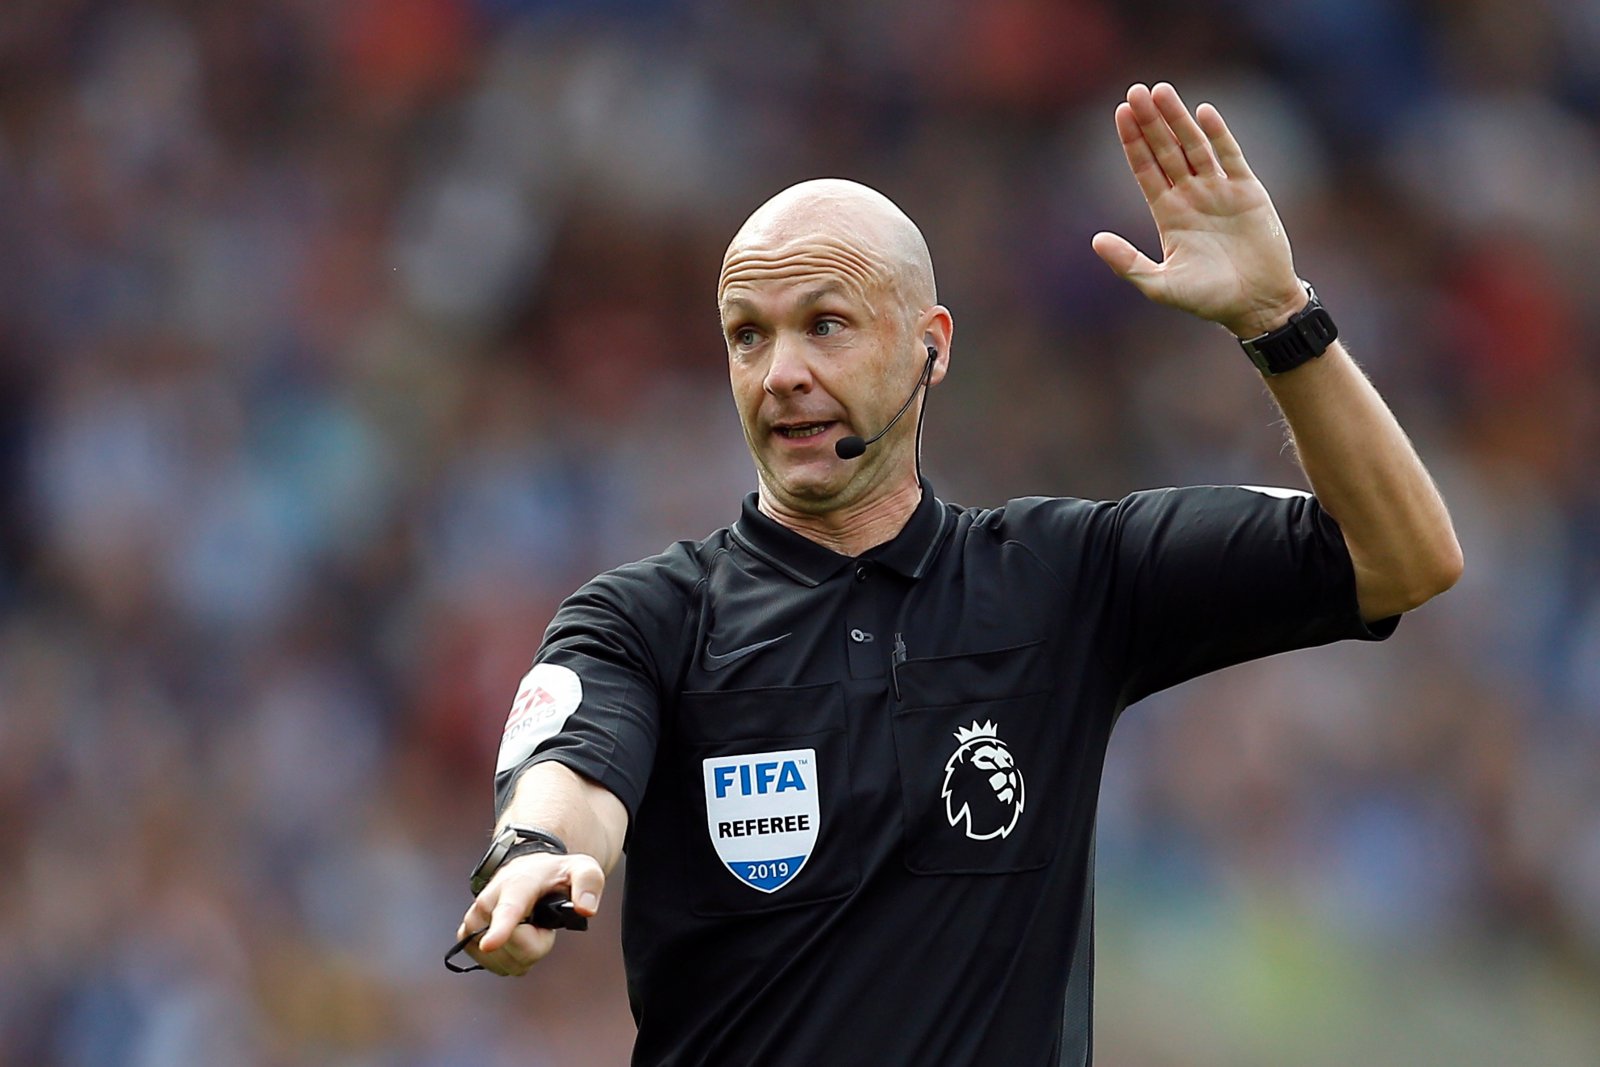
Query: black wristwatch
(1306,335)
(508,844)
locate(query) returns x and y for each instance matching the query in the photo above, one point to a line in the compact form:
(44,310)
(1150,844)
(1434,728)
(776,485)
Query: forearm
(586,816)
(590,821)
(1366,474)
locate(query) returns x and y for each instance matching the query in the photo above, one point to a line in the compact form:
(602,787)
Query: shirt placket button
(864,662)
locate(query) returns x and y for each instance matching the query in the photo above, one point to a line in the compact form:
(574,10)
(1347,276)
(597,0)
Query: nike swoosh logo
(715,662)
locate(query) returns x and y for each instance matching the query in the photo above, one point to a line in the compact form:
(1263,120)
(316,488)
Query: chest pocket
(768,770)
(977,743)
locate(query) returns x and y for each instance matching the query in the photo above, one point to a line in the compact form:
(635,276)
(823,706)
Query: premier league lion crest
(982,786)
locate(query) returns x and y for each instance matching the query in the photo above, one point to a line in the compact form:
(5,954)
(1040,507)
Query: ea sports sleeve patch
(547,697)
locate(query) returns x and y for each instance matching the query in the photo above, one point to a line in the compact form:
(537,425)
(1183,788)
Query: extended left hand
(1224,253)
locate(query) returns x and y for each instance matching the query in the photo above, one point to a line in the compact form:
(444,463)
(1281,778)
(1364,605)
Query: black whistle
(556,912)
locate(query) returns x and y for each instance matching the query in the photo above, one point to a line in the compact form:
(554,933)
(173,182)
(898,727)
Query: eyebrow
(814,296)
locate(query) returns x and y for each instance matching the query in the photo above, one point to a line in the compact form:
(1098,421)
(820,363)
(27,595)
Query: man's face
(819,348)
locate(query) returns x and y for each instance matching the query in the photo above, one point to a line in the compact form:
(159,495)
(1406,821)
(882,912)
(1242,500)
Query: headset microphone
(853,447)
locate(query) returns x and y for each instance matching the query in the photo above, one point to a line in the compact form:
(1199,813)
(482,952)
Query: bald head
(878,246)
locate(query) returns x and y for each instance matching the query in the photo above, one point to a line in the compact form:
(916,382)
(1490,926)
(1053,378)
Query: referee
(853,742)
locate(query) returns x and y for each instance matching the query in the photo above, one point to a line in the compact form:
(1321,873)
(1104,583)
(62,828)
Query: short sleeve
(1211,576)
(592,700)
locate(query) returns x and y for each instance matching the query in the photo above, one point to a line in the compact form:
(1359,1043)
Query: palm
(1224,254)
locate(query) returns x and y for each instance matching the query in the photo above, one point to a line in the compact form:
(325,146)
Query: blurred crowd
(339,341)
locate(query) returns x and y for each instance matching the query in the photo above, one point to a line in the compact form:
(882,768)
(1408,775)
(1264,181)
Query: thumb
(1128,262)
(587,882)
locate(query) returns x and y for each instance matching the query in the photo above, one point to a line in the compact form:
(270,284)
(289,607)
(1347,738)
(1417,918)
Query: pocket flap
(1013,671)
(778,712)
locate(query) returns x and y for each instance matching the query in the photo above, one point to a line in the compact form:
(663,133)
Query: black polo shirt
(863,790)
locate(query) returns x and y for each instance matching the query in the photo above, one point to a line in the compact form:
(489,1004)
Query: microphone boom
(853,447)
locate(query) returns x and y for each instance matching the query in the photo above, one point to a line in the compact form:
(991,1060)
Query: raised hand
(1224,255)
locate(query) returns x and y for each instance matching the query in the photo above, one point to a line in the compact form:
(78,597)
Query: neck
(850,530)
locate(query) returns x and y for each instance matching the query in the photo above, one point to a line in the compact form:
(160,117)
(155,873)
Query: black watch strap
(508,844)
(1306,335)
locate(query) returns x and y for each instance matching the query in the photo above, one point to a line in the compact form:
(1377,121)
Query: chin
(807,490)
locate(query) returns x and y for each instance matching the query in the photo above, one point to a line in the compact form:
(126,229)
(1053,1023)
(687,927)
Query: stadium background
(339,340)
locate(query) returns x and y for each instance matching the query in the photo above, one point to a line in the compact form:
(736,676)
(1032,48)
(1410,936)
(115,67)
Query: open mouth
(801,430)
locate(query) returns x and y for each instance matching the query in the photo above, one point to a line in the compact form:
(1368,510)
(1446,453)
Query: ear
(937,331)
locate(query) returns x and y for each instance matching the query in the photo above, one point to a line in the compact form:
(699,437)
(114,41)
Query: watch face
(491,860)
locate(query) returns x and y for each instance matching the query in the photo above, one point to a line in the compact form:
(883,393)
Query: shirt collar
(910,552)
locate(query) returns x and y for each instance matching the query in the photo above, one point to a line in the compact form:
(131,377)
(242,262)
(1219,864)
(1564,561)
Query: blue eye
(744,338)
(825,327)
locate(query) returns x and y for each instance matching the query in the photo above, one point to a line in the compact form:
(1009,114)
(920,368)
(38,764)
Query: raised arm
(1226,258)
(592,823)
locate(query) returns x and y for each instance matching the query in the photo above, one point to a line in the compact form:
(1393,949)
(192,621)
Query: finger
(529,944)
(526,946)
(1196,148)
(489,961)
(476,918)
(1229,155)
(1146,171)
(1127,261)
(508,912)
(1158,135)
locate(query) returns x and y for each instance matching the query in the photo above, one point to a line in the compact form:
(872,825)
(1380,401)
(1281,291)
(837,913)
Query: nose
(788,372)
